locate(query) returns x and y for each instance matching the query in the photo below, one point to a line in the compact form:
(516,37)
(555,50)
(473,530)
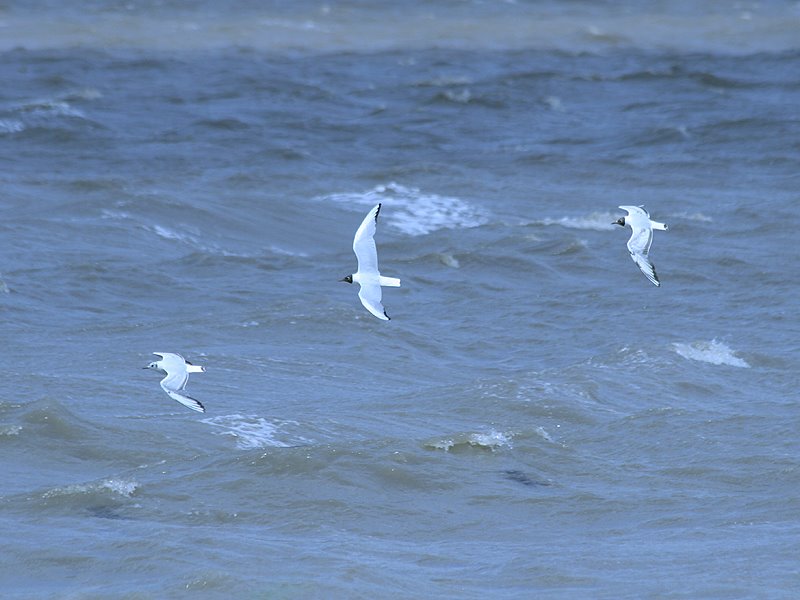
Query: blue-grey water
(536,421)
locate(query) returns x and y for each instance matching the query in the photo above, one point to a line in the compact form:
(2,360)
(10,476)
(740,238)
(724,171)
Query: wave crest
(414,212)
(491,440)
(714,352)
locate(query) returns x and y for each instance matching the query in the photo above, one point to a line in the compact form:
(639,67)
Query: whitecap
(51,108)
(714,352)
(449,260)
(10,429)
(542,433)
(252,432)
(122,487)
(171,234)
(11,126)
(491,440)
(699,217)
(597,221)
(414,212)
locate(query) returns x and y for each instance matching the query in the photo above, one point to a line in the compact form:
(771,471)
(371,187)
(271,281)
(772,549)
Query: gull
(641,238)
(177,370)
(368,276)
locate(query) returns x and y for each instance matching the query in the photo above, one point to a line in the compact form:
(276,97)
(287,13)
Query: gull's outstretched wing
(636,211)
(370,295)
(364,243)
(187,401)
(644,264)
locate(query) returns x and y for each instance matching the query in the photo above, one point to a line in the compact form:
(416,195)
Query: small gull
(177,370)
(368,276)
(641,238)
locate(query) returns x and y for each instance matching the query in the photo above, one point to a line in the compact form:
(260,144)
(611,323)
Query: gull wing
(646,267)
(370,295)
(364,244)
(636,211)
(184,399)
(639,247)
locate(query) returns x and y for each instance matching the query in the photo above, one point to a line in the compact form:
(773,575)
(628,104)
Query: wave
(697,217)
(44,113)
(9,430)
(414,212)
(118,487)
(597,221)
(252,432)
(491,440)
(714,352)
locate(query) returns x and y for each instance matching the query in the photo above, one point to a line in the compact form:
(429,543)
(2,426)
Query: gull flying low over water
(641,238)
(177,370)
(368,276)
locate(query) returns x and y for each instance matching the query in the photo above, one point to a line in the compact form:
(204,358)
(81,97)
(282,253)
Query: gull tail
(390,281)
(657,225)
(190,368)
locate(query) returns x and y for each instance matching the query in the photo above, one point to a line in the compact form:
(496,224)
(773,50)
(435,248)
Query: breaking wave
(714,352)
(414,212)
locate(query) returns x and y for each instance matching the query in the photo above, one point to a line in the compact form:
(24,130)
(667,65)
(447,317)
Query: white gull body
(368,277)
(641,237)
(174,384)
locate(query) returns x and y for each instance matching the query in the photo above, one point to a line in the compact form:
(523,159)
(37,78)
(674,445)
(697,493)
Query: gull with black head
(177,370)
(368,277)
(641,237)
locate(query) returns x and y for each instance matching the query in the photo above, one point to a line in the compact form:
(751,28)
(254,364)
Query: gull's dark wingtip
(656,280)
(377,212)
(388,318)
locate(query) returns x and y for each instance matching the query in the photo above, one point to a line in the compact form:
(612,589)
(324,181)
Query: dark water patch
(525,479)
(223,124)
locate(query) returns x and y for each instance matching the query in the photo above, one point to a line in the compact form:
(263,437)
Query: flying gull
(641,238)
(177,370)
(368,276)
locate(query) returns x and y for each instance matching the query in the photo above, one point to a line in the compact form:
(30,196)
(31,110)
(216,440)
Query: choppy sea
(536,421)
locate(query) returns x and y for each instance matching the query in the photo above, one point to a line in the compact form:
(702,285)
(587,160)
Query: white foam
(55,108)
(542,432)
(253,432)
(414,212)
(449,260)
(171,234)
(597,221)
(192,240)
(10,429)
(699,217)
(122,487)
(714,352)
(491,440)
(11,126)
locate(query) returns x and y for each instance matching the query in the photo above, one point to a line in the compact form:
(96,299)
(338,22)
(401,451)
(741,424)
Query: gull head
(348,279)
(153,365)
(620,222)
